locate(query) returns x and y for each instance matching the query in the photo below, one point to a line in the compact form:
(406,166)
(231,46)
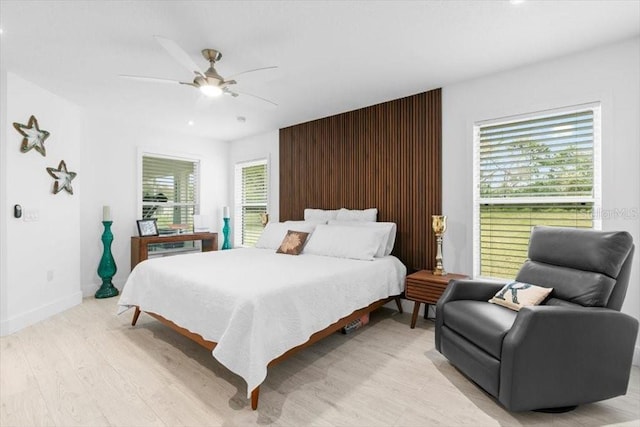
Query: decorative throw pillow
(516,295)
(293,243)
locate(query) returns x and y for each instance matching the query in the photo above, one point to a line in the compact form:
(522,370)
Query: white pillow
(357,215)
(390,227)
(345,242)
(273,234)
(312,223)
(319,214)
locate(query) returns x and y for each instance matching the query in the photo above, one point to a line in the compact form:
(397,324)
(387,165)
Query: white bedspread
(257,304)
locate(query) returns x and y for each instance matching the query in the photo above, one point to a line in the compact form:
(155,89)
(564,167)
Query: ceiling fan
(209,82)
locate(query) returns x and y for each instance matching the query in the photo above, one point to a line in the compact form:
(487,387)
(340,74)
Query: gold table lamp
(439,225)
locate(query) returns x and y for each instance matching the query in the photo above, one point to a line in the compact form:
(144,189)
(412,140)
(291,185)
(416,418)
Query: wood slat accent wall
(386,156)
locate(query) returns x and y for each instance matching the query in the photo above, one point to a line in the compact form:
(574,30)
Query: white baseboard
(89,290)
(36,315)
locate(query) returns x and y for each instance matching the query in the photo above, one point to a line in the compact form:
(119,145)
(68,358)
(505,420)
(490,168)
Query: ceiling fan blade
(257,97)
(178,53)
(148,79)
(228,91)
(251,71)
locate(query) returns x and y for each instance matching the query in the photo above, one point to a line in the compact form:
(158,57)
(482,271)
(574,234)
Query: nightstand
(423,287)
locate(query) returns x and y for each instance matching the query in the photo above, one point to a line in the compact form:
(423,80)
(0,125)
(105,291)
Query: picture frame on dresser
(147,227)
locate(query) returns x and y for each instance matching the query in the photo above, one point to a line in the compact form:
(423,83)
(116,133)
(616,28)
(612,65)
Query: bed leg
(399,304)
(254,398)
(135,316)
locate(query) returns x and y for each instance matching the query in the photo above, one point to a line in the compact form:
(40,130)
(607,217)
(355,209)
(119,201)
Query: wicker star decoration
(63,178)
(33,137)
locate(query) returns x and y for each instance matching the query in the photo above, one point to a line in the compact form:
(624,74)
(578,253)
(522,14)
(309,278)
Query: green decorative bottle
(107,268)
(226,229)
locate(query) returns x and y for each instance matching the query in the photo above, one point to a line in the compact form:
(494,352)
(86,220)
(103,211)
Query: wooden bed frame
(351,151)
(210,345)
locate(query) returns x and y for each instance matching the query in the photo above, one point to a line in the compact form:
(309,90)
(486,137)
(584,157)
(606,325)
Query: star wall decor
(33,136)
(63,178)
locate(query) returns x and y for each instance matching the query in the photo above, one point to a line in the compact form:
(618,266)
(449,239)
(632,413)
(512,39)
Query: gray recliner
(574,348)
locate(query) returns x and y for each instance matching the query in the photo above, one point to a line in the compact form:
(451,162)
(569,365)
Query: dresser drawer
(425,292)
(424,287)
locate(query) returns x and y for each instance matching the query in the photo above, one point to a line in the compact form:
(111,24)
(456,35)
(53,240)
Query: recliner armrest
(470,289)
(464,289)
(560,356)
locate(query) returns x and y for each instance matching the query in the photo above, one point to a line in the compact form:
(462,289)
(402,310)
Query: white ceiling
(331,56)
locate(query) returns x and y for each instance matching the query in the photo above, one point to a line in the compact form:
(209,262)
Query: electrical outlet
(31,215)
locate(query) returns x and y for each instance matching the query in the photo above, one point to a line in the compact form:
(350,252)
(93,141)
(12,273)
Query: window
(535,170)
(251,195)
(170,195)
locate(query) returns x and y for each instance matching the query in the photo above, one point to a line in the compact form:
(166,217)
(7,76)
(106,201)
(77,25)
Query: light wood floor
(89,367)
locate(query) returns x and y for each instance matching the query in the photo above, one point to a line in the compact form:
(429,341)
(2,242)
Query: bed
(254,307)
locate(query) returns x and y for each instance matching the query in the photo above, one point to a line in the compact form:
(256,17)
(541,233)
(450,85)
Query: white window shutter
(251,195)
(170,192)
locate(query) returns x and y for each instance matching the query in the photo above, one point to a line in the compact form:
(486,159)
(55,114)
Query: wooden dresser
(140,245)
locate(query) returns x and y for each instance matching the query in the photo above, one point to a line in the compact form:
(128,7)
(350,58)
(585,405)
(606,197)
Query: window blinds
(551,156)
(505,231)
(170,192)
(251,200)
(537,171)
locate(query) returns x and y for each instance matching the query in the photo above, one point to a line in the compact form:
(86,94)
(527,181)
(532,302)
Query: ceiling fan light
(210,90)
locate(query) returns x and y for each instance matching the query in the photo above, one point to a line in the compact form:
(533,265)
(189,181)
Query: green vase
(226,229)
(107,268)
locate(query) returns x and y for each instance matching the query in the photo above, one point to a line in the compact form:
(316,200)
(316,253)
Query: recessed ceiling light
(191,123)
(516,1)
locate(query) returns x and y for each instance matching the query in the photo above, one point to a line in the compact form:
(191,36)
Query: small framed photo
(147,227)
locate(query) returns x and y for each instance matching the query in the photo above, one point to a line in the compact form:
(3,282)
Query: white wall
(4,206)
(40,259)
(256,147)
(110,154)
(610,75)
(46,266)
